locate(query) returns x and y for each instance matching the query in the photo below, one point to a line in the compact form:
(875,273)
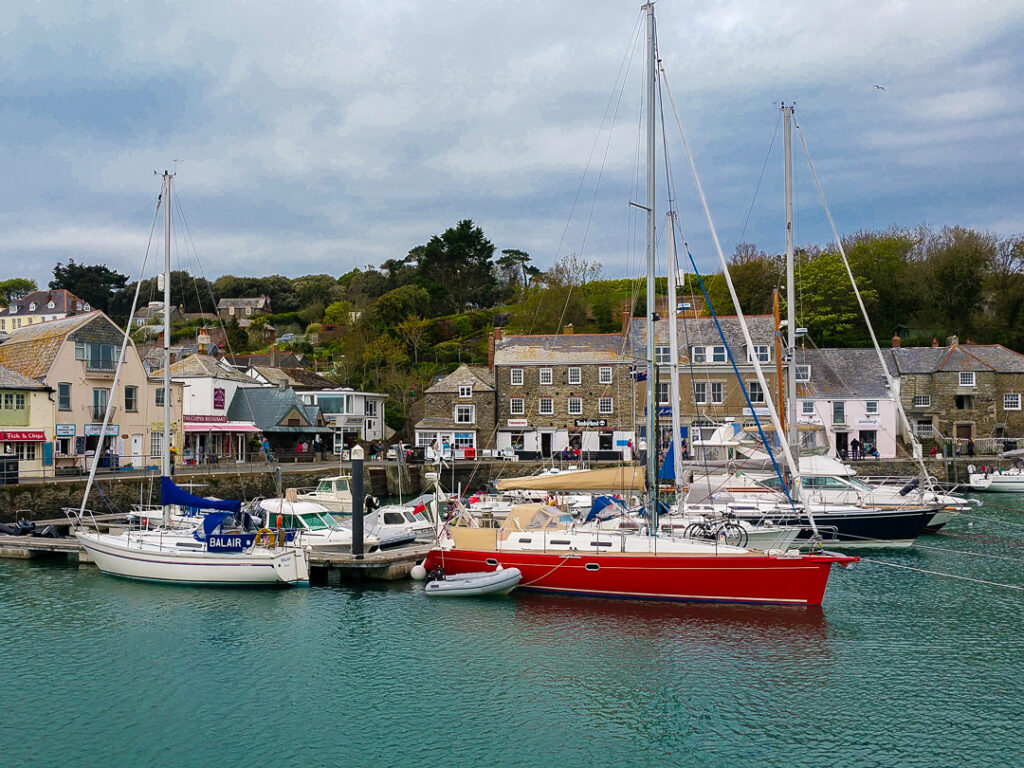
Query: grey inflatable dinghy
(476,584)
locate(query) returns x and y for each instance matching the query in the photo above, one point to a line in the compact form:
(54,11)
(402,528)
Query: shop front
(26,447)
(214,439)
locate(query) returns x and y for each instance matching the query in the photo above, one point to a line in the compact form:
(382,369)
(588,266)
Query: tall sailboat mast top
(792,428)
(165,464)
(652,445)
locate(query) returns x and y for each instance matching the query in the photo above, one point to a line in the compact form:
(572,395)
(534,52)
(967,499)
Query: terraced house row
(540,395)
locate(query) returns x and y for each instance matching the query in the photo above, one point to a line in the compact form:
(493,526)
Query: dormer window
(14,309)
(465,390)
(51,305)
(803,373)
(32,307)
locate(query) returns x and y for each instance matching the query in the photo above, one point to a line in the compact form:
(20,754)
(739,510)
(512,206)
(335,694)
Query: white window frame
(575,375)
(574,406)
(663,354)
(922,401)
(666,388)
(718,354)
(717,392)
(517,406)
(463,408)
(604,374)
(755,393)
(967,378)
(1011,401)
(838,411)
(546,406)
(871,407)
(698,354)
(546,376)
(515,377)
(156,443)
(806,407)
(465,390)
(700,392)
(605,405)
(803,373)
(763,352)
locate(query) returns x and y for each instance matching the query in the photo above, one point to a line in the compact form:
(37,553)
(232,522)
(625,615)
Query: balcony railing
(97,412)
(104,368)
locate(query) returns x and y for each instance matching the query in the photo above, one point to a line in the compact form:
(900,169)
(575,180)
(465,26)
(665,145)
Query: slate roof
(701,331)
(13,380)
(256,302)
(959,357)
(274,358)
(267,407)
(563,348)
(294,377)
(481,378)
(843,373)
(439,422)
(31,349)
(64,302)
(200,366)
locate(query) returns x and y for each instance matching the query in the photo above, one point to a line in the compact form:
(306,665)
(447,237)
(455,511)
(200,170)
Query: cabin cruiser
(317,529)
(332,493)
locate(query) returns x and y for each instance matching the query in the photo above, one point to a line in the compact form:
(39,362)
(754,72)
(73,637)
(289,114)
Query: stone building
(709,391)
(563,391)
(962,391)
(243,309)
(458,410)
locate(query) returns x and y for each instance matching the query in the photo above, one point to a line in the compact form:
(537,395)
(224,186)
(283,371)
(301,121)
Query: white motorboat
(332,493)
(317,528)
(997,480)
(497,582)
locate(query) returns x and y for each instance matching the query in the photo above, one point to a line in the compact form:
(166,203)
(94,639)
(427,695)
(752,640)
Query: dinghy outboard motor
(370,503)
(435,574)
(910,486)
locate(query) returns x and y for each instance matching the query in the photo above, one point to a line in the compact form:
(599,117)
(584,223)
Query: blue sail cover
(599,509)
(668,467)
(172,494)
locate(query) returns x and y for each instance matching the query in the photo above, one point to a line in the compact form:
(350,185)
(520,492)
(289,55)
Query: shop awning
(23,436)
(224,426)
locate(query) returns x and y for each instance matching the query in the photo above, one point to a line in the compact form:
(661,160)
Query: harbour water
(900,667)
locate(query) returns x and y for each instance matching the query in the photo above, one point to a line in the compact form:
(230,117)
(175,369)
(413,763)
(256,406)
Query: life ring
(265,537)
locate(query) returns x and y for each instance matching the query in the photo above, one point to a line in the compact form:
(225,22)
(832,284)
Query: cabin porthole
(592,567)
(491,561)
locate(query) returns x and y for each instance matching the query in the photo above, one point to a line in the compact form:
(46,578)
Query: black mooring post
(357,501)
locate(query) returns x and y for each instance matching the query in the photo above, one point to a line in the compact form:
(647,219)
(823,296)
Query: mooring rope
(947,575)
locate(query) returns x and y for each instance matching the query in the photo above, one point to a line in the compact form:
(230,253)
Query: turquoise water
(898,668)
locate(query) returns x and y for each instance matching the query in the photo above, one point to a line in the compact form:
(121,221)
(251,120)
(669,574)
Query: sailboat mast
(652,406)
(792,430)
(165,463)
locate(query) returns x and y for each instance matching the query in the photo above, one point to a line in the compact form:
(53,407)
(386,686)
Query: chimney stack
(895,341)
(952,341)
(568,330)
(490,349)
(935,342)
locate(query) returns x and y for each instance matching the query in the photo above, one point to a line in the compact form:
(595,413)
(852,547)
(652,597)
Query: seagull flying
(879,87)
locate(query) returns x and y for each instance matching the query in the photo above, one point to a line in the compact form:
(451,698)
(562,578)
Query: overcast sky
(319,136)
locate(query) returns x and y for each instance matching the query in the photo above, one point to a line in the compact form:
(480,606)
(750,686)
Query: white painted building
(844,391)
(354,416)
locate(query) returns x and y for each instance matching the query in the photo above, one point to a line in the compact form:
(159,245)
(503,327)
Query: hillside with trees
(394,327)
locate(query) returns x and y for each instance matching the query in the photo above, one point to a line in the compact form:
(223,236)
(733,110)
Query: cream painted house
(26,419)
(77,357)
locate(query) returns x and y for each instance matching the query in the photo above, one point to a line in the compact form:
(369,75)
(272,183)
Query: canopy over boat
(172,494)
(608,479)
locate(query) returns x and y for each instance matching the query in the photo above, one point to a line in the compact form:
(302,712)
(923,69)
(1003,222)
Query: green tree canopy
(14,287)
(94,283)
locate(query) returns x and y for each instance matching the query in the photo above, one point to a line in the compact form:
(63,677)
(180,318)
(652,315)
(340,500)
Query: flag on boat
(421,507)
